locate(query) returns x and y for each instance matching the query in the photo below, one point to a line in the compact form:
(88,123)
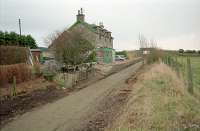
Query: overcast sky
(173,24)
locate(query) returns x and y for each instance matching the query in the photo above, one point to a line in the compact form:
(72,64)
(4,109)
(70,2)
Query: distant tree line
(14,39)
(124,53)
(189,51)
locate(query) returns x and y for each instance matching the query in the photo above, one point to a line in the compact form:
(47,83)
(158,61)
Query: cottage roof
(91,27)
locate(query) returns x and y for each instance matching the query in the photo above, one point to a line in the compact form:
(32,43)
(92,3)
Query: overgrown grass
(154,55)
(162,104)
(172,110)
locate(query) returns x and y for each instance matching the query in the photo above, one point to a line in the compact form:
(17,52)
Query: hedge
(13,55)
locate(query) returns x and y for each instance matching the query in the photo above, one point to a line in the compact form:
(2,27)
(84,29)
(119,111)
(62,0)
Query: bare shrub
(153,53)
(22,72)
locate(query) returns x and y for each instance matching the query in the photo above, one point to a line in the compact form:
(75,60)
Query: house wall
(96,39)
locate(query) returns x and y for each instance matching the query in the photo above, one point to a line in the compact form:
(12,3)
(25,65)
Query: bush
(154,56)
(36,70)
(124,53)
(190,51)
(13,55)
(181,51)
(14,39)
(91,57)
(22,72)
(49,72)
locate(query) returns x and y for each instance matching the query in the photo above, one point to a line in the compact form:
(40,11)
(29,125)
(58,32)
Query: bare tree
(152,43)
(71,47)
(143,41)
(48,40)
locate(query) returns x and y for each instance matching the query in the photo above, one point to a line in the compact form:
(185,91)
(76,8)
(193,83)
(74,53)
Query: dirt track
(79,111)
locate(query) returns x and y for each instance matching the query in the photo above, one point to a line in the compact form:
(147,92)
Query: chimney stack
(101,24)
(80,16)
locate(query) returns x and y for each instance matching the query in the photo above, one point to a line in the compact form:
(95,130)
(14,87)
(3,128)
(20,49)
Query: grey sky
(173,23)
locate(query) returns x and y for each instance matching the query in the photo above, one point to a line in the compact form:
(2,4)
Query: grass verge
(160,102)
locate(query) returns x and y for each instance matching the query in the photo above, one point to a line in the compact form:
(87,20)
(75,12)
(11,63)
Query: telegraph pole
(20,30)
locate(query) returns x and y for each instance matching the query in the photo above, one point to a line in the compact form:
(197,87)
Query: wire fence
(70,76)
(183,68)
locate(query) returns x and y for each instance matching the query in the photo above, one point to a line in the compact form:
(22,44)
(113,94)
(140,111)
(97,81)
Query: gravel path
(74,111)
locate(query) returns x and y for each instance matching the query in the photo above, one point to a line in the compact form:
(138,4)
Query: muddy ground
(11,107)
(26,101)
(111,107)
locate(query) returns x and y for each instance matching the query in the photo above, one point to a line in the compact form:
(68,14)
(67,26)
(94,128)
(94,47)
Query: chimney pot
(80,17)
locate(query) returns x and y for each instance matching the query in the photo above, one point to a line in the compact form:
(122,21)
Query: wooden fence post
(177,67)
(169,61)
(189,74)
(14,87)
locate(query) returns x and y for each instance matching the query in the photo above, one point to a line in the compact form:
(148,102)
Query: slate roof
(91,27)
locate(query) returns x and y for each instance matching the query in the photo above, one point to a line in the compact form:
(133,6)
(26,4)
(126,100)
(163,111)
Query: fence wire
(182,67)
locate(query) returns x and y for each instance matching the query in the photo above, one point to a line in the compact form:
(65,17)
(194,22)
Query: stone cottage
(100,37)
